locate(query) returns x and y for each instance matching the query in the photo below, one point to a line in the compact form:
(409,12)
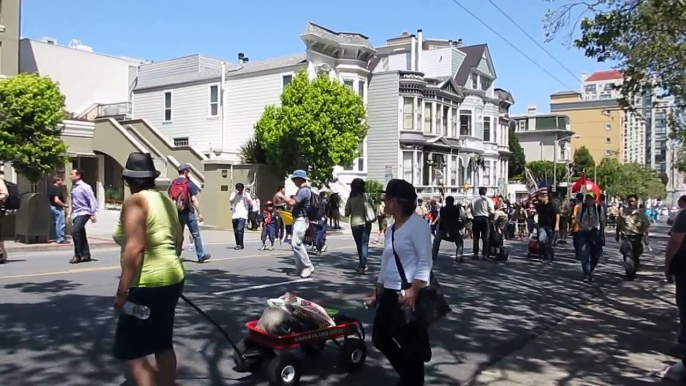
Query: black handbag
(430,304)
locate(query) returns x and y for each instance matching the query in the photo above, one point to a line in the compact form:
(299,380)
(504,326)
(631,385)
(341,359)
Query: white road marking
(256,287)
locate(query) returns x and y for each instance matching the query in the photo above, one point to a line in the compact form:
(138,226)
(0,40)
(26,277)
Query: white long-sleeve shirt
(240,203)
(413,245)
(482,206)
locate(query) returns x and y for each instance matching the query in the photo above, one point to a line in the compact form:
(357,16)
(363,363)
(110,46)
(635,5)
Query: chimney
(413,53)
(531,110)
(420,48)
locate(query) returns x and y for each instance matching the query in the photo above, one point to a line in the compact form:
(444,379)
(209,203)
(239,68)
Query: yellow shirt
(161,265)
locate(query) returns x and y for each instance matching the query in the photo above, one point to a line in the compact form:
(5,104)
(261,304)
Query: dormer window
(485,83)
(475,81)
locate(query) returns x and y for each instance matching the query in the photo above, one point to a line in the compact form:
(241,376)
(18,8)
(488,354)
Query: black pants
(481,229)
(239,230)
(440,234)
(405,345)
(680,281)
(81,249)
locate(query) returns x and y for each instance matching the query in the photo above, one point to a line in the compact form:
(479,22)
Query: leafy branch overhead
(31,111)
(320,124)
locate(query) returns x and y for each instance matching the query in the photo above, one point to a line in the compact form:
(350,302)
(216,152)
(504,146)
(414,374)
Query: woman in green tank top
(151,240)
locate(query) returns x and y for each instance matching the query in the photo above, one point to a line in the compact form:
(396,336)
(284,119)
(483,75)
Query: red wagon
(283,366)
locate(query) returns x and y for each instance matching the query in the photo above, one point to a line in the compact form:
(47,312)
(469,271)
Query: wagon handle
(221,330)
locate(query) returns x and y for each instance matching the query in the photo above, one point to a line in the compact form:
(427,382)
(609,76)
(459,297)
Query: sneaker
(306,272)
(325,247)
(238,247)
(585,280)
(271,247)
(204,258)
(263,247)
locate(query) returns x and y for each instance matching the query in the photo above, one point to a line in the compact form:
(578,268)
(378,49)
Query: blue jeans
(361,235)
(190,220)
(239,230)
(268,231)
(60,223)
(320,235)
(590,249)
(546,240)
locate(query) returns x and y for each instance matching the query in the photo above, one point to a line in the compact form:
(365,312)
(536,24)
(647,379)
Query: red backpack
(180,194)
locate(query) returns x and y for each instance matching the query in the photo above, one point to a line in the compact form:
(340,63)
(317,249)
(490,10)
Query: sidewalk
(618,338)
(98,241)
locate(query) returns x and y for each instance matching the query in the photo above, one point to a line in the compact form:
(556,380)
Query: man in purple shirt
(83,208)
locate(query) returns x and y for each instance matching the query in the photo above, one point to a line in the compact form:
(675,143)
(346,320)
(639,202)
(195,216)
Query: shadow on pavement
(66,338)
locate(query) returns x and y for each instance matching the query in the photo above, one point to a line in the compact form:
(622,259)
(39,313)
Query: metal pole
(555,144)
(595,172)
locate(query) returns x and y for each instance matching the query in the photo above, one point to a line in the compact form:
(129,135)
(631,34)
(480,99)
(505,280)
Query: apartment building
(9,37)
(544,136)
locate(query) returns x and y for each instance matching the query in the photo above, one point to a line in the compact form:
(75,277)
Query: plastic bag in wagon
(307,310)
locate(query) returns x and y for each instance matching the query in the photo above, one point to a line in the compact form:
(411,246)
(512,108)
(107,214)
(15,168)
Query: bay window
(487,129)
(454,169)
(453,124)
(446,111)
(486,173)
(408,113)
(428,117)
(465,122)
(408,165)
(419,114)
(439,118)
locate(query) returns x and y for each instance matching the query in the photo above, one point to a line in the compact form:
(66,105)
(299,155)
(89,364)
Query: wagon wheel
(314,349)
(284,370)
(353,354)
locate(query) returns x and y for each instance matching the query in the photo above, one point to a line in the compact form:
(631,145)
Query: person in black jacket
(450,224)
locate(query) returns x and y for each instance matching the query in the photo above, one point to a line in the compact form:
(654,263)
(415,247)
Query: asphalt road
(58,324)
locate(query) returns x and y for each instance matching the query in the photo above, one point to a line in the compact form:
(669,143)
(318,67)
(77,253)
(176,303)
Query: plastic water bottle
(140,312)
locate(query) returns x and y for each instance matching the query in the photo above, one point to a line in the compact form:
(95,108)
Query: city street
(58,323)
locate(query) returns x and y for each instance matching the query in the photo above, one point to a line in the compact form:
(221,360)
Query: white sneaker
(306,272)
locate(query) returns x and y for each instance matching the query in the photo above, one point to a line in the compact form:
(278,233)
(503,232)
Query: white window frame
(412,168)
(187,139)
(471,128)
(354,81)
(455,122)
(405,113)
(608,126)
(608,139)
(521,125)
(428,118)
(283,77)
(608,153)
(474,78)
(490,128)
(165,108)
(209,100)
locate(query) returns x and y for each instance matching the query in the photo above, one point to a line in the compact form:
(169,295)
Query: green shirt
(161,265)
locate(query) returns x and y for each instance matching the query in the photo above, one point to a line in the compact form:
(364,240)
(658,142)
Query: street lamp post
(556,145)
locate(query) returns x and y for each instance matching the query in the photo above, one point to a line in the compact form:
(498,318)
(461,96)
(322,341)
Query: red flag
(580,184)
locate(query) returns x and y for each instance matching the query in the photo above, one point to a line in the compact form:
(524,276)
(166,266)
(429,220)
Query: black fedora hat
(140,165)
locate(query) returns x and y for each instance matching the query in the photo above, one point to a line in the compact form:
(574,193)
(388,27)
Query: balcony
(118,111)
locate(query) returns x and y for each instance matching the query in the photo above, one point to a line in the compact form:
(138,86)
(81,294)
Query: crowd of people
(151,227)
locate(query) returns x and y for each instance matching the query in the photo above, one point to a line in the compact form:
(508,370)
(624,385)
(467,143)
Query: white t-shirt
(256,205)
(482,206)
(413,245)
(240,203)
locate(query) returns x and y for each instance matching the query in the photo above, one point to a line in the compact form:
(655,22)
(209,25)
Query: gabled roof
(604,75)
(473,55)
(450,86)
(346,38)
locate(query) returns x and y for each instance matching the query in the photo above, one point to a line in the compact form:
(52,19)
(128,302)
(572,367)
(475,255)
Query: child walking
(268,223)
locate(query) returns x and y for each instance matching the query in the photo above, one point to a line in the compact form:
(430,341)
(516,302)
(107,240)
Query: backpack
(13,201)
(317,208)
(179,192)
(597,211)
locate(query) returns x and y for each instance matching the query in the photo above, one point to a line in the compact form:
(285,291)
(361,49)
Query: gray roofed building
(471,61)
(344,38)
(268,64)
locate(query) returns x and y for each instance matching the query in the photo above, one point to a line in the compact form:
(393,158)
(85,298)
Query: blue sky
(163,29)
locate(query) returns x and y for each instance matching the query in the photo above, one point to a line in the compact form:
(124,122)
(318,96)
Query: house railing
(120,110)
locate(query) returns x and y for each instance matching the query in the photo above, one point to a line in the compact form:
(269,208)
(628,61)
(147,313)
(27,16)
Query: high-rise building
(9,37)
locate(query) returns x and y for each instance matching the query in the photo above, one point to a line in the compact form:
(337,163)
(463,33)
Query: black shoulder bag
(430,304)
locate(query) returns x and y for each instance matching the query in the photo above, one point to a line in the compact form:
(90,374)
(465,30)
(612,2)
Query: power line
(533,40)
(512,45)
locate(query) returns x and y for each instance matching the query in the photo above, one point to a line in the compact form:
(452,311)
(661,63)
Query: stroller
(496,246)
(534,247)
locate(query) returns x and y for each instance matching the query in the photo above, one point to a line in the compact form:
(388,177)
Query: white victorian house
(433,112)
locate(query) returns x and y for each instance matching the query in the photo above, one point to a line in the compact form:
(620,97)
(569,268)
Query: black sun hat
(400,189)
(140,165)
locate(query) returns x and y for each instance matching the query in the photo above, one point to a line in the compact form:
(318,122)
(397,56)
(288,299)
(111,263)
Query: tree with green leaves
(620,180)
(30,134)
(583,162)
(374,189)
(320,124)
(545,170)
(517,160)
(646,41)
